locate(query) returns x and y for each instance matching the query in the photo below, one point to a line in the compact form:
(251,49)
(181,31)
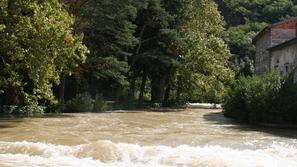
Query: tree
(204,54)
(159,39)
(36,46)
(153,58)
(257,11)
(108,28)
(180,50)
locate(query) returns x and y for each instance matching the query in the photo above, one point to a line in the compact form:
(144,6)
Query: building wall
(262,60)
(275,35)
(284,59)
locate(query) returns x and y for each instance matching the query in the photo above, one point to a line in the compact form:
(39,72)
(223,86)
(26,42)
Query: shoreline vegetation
(109,106)
(268,99)
(78,56)
(166,53)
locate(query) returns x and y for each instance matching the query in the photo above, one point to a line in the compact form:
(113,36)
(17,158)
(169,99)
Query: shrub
(85,103)
(100,104)
(81,103)
(267,99)
(156,105)
(21,110)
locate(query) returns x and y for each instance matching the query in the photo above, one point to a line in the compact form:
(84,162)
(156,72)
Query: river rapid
(189,138)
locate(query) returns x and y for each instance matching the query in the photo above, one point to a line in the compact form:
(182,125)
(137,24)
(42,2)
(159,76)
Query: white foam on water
(107,153)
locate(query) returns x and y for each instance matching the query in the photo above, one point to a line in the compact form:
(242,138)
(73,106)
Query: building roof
(284,44)
(267,28)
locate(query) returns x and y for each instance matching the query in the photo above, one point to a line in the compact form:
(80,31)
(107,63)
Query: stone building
(276,47)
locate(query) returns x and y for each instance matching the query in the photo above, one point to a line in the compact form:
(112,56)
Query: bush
(21,110)
(100,104)
(85,103)
(266,99)
(81,103)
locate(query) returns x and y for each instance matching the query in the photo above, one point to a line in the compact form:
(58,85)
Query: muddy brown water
(193,137)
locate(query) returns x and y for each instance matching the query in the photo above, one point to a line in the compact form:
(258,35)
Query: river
(190,138)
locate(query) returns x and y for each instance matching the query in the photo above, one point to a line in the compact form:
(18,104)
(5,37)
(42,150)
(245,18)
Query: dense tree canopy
(152,57)
(160,51)
(268,11)
(36,46)
(109,35)
(204,55)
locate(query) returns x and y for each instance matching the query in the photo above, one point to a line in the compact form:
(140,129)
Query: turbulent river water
(194,137)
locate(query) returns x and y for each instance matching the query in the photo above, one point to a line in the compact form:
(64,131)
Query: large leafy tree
(36,46)
(204,54)
(181,51)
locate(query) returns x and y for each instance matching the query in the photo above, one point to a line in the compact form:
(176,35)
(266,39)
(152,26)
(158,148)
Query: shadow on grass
(219,118)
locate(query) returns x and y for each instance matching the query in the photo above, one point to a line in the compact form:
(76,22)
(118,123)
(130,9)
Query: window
(276,67)
(287,67)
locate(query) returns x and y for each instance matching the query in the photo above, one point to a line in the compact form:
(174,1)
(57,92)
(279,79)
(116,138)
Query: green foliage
(257,11)
(172,47)
(100,104)
(86,103)
(108,27)
(36,46)
(204,55)
(108,69)
(243,67)
(240,41)
(81,103)
(267,99)
(154,57)
(164,50)
(241,38)
(21,110)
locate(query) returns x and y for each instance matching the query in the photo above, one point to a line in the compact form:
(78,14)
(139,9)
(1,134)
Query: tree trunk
(157,89)
(12,96)
(10,5)
(168,88)
(132,88)
(178,92)
(62,88)
(167,93)
(77,83)
(142,88)
(137,51)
